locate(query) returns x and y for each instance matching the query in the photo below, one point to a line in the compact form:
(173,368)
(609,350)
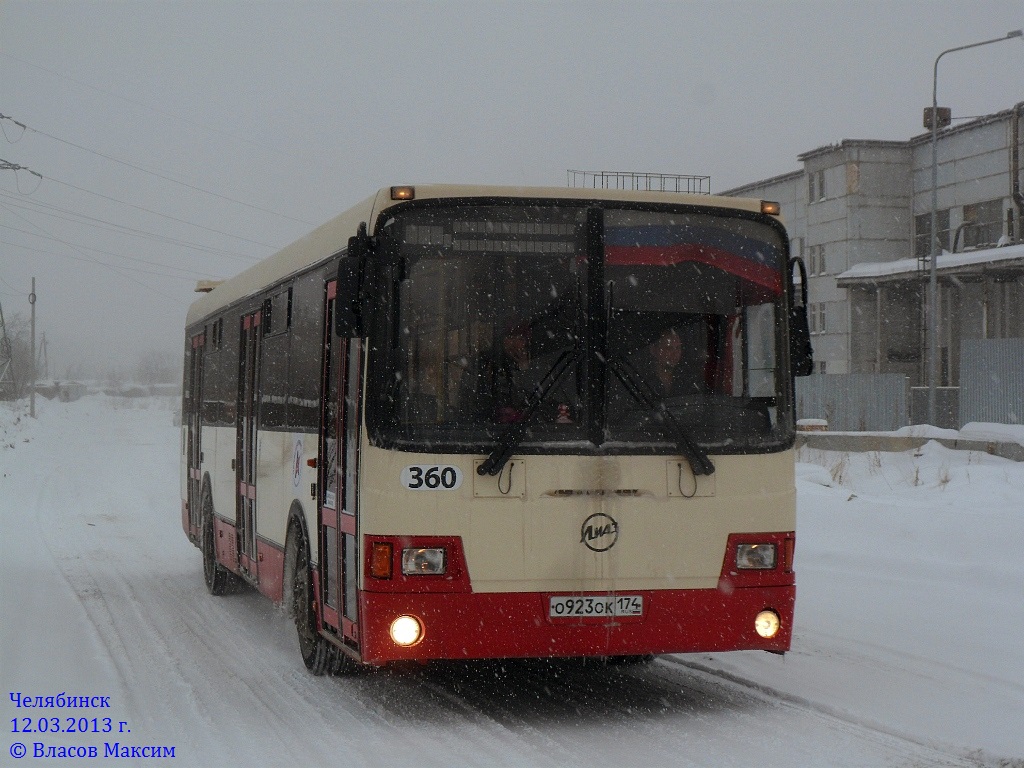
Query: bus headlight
(755,556)
(406,631)
(767,624)
(423,561)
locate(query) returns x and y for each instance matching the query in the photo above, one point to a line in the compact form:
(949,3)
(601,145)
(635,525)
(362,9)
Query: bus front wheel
(317,652)
(216,576)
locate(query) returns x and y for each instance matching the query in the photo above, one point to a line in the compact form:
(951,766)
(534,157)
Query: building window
(816,187)
(922,228)
(816,317)
(816,260)
(983,223)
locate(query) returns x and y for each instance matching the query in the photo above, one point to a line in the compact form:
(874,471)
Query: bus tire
(317,653)
(217,577)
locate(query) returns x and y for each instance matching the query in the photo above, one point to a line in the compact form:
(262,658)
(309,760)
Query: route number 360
(431,477)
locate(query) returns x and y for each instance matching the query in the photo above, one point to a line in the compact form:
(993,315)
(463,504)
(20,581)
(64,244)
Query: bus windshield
(581,328)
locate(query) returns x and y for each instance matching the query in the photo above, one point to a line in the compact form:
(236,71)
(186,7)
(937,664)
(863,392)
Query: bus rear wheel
(318,654)
(216,576)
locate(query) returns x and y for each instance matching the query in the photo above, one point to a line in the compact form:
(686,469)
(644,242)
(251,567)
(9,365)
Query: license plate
(568,606)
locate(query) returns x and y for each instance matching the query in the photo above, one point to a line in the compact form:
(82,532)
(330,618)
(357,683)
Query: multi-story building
(859,214)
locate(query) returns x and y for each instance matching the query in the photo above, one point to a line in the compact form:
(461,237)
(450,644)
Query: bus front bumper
(521,625)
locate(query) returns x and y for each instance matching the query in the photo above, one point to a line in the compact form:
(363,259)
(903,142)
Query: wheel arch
(296,521)
(206,492)
(297,516)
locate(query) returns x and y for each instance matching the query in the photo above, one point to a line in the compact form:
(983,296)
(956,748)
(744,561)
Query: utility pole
(32,391)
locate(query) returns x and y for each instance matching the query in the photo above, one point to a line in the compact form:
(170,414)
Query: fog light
(407,630)
(767,624)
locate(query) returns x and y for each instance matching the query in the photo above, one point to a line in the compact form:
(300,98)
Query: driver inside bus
(671,374)
(513,382)
(671,365)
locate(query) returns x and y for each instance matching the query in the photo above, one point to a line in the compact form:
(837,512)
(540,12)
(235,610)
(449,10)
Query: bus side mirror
(801,355)
(348,306)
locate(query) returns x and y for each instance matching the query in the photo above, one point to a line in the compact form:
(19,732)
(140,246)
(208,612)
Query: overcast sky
(254,122)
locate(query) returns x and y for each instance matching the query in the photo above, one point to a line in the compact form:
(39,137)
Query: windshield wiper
(514,434)
(640,390)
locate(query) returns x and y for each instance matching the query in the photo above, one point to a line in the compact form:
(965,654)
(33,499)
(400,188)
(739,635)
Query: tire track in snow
(934,754)
(653,715)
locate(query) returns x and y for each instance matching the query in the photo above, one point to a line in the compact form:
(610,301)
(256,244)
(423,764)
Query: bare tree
(22,362)
(155,368)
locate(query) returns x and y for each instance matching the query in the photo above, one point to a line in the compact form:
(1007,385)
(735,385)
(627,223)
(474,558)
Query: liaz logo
(599,532)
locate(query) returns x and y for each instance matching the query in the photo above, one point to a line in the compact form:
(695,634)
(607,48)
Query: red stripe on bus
(765,275)
(516,625)
(271,569)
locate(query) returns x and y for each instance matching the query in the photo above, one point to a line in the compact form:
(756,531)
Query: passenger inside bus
(497,387)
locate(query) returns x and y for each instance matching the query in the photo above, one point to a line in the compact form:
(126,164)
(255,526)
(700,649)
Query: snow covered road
(907,649)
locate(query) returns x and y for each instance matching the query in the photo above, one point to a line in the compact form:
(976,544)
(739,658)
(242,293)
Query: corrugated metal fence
(992,381)
(855,402)
(991,390)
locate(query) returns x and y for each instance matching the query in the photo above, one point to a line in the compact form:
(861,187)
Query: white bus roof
(332,236)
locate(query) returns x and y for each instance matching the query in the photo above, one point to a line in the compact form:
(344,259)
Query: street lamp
(932,120)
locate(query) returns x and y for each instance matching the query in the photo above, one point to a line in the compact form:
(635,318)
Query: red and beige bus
(461,422)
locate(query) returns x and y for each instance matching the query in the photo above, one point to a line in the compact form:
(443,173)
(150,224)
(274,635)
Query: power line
(6,165)
(161,215)
(92,221)
(86,259)
(190,273)
(9,166)
(158,111)
(154,173)
(50,236)
(18,293)
(120,271)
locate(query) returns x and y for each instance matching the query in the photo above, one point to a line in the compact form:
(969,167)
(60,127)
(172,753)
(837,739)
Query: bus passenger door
(194,449)
(339,435)
(246,442)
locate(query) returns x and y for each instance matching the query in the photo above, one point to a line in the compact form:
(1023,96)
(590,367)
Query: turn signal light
(771,207)
(380,560)
(403,193)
